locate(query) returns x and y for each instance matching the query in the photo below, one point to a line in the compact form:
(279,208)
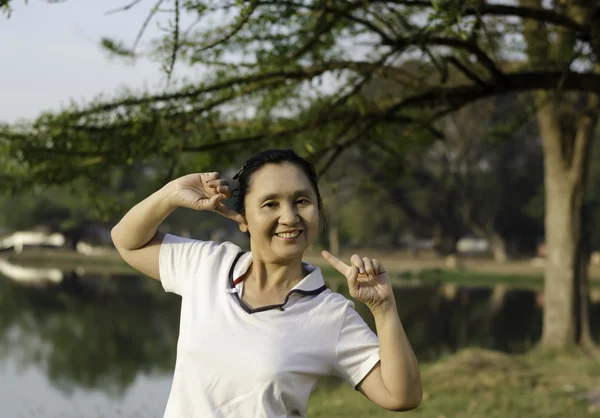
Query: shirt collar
(310,284)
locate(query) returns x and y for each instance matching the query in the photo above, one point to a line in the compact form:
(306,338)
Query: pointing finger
(338,264)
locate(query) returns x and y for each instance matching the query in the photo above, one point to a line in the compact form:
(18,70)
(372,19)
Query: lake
(77,344)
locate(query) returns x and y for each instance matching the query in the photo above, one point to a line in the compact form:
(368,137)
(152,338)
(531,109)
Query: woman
(259,328)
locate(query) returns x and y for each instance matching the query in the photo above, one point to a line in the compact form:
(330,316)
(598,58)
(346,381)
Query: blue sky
(50,54)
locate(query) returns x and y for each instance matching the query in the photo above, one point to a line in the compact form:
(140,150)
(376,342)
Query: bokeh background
(456,141)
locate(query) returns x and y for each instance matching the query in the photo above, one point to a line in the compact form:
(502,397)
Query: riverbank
(475,383)
(406,262)
(401,265)
(394,260)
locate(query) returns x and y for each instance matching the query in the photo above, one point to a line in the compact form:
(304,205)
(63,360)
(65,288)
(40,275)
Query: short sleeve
(357,348)
(180,259)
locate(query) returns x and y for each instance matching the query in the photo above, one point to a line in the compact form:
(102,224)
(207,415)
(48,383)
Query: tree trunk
(562,213)
(445,241)
(583,292)
(565,152)
(498,247)
(497,298)
(582,284)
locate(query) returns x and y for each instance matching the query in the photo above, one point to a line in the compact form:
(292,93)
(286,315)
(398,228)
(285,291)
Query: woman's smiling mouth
(289,235)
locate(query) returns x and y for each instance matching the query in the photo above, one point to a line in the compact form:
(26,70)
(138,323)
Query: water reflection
(442,318)
(89,332)
(30,275)
(108,333)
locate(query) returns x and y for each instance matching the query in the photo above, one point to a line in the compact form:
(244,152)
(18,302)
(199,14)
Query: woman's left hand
(368,280)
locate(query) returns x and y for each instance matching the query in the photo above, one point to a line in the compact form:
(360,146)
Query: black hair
(276,156)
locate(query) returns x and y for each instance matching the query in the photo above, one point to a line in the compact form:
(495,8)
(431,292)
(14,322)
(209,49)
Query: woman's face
(282,212)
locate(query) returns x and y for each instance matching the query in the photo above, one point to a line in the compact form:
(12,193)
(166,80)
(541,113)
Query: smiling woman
(284,206)
(259,328)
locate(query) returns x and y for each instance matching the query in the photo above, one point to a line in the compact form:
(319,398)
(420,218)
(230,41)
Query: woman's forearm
(399,367)
(140,224)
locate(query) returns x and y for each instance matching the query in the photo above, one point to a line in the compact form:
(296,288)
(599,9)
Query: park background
(457,141)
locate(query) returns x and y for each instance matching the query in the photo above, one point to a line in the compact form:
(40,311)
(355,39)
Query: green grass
(465,277)
(477,383)
(473,277)
(454,276)
(112,263)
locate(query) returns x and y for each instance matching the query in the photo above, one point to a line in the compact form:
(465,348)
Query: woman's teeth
(289,235)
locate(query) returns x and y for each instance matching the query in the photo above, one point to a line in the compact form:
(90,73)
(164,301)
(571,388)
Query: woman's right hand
(203,191)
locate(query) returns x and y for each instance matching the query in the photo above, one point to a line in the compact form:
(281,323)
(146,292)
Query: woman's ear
(243,227)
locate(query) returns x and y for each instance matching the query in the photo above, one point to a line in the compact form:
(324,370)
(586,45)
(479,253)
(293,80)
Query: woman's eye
(270,204)
(303,201)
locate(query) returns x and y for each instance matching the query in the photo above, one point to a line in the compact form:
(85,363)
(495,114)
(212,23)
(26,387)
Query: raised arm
(395,382)
(136,236)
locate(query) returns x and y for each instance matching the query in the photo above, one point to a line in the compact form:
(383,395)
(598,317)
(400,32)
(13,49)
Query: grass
(469,277)
(465,277)
(473,277)
(112,263)
(67,260)
(475,383)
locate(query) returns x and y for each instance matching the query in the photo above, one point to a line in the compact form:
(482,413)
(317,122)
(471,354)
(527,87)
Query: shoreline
(397,262)
(400,264)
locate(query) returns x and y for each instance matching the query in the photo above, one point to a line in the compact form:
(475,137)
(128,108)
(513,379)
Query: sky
(50,55)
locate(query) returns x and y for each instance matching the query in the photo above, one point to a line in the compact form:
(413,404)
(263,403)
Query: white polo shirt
(233,361)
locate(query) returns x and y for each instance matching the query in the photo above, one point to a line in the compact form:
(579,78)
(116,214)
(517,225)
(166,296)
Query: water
(102,345)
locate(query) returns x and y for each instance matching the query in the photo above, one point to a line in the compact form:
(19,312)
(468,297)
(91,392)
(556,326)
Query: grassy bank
(476,383)
(111,263)
(461,277)
(513,274)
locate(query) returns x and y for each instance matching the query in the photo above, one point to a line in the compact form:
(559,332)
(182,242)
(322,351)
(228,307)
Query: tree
(480,176)
(567,122)
(283,70)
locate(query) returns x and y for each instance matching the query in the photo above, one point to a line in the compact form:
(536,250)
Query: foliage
(314,75)
(281,71)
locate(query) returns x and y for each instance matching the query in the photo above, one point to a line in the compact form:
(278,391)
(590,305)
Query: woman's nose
(289,215)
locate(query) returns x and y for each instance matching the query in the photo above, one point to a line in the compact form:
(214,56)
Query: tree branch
(349,16)
(449,98)
(321,26)
(281,75)
(145,24)
(175,44)
(124,8)
(244,140)
(519,81)
(458,43)
(244,17)
(466,71)
(540,15)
